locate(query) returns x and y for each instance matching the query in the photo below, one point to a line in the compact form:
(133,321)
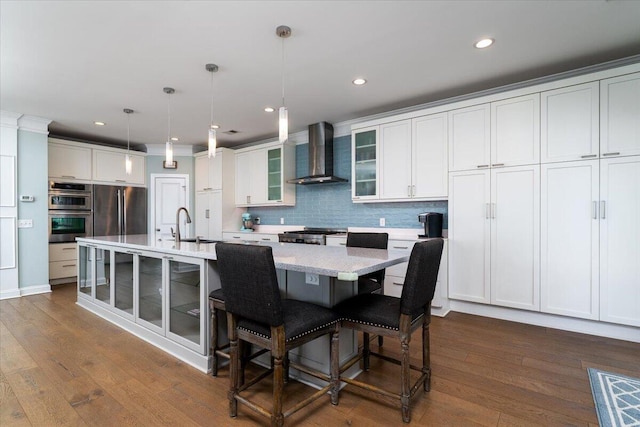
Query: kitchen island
(158,290)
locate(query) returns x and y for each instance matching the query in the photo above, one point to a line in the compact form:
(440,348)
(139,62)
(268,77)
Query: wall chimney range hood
(320,156)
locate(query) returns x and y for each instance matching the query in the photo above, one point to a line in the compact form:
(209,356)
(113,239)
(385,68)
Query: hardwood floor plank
(11,412)
(13,357)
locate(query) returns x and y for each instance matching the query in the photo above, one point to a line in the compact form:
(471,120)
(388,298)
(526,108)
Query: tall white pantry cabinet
(544,207)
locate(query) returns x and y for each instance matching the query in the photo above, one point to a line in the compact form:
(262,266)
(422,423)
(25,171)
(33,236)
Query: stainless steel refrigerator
(119,210)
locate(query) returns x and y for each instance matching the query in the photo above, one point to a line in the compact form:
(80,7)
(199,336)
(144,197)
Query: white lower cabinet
(494,236)
(62,260)
(249,237)
(620,240)
(569,239)
(395,275)
(163,294)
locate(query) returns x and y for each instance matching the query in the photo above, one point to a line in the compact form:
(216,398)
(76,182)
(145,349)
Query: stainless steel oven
(65,226)
(70,196)
(70,211)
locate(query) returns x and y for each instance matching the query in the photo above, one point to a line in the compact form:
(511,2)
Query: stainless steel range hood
(320,156)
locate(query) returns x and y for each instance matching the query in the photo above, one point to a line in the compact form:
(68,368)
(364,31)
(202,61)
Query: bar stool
(257,314)
(372,282)
(398,317)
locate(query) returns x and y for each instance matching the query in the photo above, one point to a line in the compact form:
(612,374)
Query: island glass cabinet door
(150,299)
(86,271)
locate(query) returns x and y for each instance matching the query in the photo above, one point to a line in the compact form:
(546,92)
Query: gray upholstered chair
(398,317)
(257,314)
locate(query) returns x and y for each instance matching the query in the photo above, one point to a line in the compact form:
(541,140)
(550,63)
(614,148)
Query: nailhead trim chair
(373,282)
(398,317)
(257,314)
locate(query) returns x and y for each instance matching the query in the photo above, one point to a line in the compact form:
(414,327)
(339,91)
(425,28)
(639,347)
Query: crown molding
(34,124)
(178,150)
(9,119)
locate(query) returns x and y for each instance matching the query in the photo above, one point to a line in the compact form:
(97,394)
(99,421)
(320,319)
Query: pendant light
(283,114)
(212,145)
(127,157)
(169,145)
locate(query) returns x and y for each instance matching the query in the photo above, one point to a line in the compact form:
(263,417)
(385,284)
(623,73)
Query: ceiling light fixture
(481,44)
(99,123)
(173,138)
(127,157)
(215,126)
(359,81)
(169,145)
(283,115)
(213,142)
(269,109)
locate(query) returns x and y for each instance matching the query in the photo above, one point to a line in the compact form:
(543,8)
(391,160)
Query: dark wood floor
(61,365)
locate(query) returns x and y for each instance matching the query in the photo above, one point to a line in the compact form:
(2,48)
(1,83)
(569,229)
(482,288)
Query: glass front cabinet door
(365,163)
(274,175)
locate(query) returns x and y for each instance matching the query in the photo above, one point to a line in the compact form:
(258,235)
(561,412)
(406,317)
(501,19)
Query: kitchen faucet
(176,235)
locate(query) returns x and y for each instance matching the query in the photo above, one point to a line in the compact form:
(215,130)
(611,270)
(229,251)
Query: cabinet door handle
(409,190)
(266,239)
(120,180)
(482,166)
(68,265)
(399,247)
(594,210)
(68,176)
(343,244)
(206,213)
(495,165)
(588,156)
(611,154)
(413,191)
(69,249)
(236,237)
(602,209)
(397,284)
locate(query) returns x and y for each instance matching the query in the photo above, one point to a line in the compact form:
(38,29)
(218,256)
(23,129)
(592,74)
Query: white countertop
(334,261)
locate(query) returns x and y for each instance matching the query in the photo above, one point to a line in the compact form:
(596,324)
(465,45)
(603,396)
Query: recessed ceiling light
(215,126)
(359,81)
(173,138)
(481,44)
(99,123)
(269,109)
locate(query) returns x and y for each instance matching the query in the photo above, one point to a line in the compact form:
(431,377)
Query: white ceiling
(78,61)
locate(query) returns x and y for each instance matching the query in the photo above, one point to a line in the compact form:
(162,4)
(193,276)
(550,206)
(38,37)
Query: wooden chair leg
(285,367)
(366,352)
(380,340)
(233,365)
(277,350)
(426,358)
(405,373)
(214,341)
(335,366)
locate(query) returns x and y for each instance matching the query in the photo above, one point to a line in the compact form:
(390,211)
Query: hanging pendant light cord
(128,132)
(211,100)
(282,67)
(169,114)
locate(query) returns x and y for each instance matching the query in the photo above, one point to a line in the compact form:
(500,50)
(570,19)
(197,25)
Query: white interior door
(169,193)
(8,213)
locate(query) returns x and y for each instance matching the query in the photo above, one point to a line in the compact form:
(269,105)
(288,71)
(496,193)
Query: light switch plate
(25,223)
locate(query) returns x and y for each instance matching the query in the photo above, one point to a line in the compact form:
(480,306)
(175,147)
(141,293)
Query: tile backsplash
(330,205)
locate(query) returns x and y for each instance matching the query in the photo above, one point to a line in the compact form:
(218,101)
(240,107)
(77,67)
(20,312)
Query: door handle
(482,166)
(594,209)
(497,165)
(611,154)
(206,213)
(602,209)
(588,156)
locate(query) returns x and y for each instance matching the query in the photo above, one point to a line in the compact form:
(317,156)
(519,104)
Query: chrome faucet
(176,235)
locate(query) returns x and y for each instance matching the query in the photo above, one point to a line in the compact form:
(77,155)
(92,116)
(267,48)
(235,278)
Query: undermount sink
(190,240)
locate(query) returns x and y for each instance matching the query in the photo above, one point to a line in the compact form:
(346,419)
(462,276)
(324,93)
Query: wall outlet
(25,223)
(312,279)
(382,222)
(281,220)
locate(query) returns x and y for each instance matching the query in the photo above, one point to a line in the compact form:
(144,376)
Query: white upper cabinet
(570,239)
(395,160)
(570,123)
(620,116)
(620,240)
(469,138)
(262,174)
(364,170)
(429,157)
(210,173)
(69,162)
(109,167)
(515,131)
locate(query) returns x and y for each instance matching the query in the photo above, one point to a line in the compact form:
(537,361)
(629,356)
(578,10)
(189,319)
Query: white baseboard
(33,290)
(13,293)
(590,327)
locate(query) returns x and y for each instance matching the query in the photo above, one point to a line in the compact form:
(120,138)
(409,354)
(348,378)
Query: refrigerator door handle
(119,214)
(124,211)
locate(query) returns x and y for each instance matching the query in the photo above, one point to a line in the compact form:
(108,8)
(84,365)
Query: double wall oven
(70,211)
